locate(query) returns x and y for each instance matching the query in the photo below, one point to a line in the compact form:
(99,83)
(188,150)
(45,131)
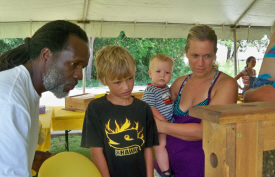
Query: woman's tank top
(178,111)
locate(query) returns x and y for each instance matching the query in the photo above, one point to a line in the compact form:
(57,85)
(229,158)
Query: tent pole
(235,51)
(84,79)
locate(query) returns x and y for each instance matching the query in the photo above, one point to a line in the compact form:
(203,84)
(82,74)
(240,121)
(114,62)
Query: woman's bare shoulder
(178,81)
(174,89)
(225,91)
(226,80)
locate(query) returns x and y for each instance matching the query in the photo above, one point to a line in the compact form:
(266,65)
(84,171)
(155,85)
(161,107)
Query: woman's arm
(99,160)
(149,161)
(238,77)
(264,93)
(188,132)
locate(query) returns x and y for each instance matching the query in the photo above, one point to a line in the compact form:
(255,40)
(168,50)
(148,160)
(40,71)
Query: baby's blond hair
(114,62)
(161,57)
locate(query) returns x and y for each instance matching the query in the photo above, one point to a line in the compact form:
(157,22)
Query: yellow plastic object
(68,164)
(99,95)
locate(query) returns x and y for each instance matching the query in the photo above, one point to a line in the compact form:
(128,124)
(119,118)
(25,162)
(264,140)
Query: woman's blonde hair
(202,33)
(114,62)
(161,57)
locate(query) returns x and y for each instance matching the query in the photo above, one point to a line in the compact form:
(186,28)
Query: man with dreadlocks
(51,60)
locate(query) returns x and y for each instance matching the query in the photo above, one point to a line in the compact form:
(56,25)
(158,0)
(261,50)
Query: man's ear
(102,81)
(45,54)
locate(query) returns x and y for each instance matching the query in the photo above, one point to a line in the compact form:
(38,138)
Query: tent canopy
(140,18)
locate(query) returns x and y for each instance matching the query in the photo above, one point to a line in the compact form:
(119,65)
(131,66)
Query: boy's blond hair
(161,57)
(114,62)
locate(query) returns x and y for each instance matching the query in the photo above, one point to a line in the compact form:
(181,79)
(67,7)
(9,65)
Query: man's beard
(54,81)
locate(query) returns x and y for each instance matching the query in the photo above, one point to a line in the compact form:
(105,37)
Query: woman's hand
(245,88)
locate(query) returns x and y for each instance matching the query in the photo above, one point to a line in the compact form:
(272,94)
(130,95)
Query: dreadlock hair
(53,35)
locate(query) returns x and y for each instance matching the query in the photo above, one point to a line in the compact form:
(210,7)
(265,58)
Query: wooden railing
(235,136)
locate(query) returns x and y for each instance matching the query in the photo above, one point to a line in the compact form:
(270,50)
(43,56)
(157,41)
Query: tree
(142,49)
(89,66)
(8,44)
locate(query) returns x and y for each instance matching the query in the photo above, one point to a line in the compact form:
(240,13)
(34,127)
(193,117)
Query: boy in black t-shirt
(119,129)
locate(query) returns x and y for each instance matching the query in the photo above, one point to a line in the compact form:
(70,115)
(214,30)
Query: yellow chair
(68,164)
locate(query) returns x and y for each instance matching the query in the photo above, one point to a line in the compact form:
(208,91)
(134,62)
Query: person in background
(157,95)
(119,129)
(51,60)
(205,86)
(264,85)
(247,74)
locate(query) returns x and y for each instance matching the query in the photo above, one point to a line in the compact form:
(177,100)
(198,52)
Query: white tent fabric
(140,18)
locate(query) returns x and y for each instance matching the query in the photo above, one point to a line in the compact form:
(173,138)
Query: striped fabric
(245,78)
(160,99)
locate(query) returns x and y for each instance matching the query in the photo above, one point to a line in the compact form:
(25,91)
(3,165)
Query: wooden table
(66,120)
(235,136)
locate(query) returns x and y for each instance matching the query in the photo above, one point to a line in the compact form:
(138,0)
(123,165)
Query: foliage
(259,44)
(243,44)
(8,44)
(227,43)
(142,49)
(227,67)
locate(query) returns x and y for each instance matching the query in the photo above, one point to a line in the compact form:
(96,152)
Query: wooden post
(235,136)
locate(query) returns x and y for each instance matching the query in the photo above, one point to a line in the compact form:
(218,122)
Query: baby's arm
(158,115)
(149,161)
(99,160)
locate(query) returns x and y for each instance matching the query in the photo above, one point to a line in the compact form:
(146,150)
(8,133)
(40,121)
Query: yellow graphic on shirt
(125,139)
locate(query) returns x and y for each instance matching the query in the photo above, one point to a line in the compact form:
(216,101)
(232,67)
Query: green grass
(58,145)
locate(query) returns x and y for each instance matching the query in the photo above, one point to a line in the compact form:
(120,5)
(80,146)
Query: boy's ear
(102,81)
(149,72)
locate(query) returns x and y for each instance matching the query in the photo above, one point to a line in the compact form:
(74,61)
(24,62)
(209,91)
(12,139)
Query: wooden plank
(230,151)
(78,103)
(219,149)
(249,149)
(269,134)
(236,113)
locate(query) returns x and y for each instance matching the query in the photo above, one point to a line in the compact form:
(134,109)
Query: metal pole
(235,51)
(84,79)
